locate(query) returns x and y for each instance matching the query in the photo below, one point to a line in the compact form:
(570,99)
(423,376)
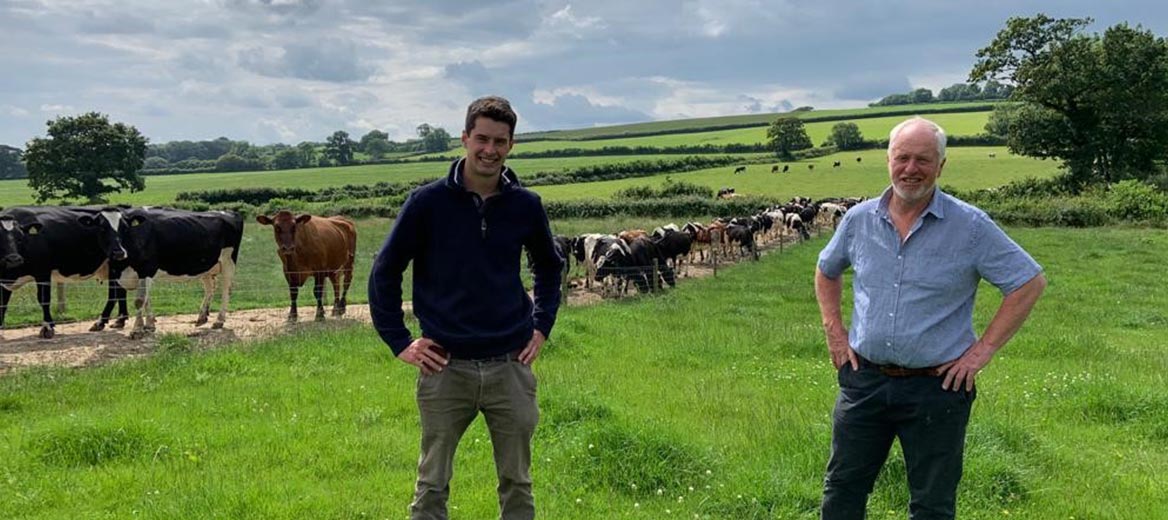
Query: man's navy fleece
(466,251)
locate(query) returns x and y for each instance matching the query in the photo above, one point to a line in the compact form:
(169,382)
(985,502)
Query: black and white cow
(180,244)
(742,235)
(634,262)
(57,244)
(588,248)
(673,245)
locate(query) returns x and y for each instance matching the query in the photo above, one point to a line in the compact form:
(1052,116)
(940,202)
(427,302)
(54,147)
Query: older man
(908,363)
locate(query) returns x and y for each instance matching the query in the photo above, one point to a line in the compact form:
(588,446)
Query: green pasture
(966,168)
(162,189)
(615,131)
(711,401)
(875,128)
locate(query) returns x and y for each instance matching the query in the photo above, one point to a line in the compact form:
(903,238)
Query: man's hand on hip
(531,351)
(841,351)
(963,370)
(423,353)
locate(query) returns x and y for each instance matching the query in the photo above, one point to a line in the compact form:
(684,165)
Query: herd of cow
(131,247)
(645,260)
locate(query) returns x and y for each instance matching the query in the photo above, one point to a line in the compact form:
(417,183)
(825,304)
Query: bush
(1135,200)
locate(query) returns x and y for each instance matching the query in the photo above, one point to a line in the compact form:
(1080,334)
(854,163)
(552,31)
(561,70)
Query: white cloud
(291,70)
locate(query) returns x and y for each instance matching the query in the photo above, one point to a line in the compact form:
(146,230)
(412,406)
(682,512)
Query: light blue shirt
(913,303)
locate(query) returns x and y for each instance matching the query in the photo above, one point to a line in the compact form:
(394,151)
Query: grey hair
(938,132)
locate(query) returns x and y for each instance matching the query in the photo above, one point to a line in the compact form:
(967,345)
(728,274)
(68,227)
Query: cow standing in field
(180,244)
(634,262)
(740,169)
(673,244)
(57,244)
(786,167)
(587,249)
(315,247)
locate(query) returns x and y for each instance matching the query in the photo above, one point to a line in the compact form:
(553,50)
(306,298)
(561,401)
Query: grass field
(966,123)
(711,401)
(966,168)
(162,189)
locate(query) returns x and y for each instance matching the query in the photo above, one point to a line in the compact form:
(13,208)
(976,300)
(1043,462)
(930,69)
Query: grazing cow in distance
(786,167)
(726,193)
(993,155)
(740,169)
(46,244)
(315,247)
(180,244)
(775,169)
(741,235)
(587,249)
(835,164)
(859,159)
(810,166)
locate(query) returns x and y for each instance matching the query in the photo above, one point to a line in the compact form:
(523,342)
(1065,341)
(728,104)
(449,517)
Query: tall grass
(712,400)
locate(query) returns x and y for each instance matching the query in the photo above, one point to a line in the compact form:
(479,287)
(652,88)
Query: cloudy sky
(292,70)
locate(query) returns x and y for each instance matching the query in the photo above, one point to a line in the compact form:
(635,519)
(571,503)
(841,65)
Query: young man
(480,330)
(907,366)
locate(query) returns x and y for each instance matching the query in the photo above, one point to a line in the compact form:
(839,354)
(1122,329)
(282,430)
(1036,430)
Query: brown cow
(629,235)
(317,247)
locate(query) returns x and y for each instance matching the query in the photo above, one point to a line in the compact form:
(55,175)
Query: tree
(845,136)
(307,153)
(10,165)
(433,139)
(375,144)
(287,159)
(1098,103)
(339,148)
(787,135)
(921,95)
(230,162)
(85,156)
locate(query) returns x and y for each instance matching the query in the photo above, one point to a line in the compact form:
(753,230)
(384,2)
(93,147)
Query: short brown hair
(491,107)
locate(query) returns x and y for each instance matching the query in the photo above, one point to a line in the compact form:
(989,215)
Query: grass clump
(96,445)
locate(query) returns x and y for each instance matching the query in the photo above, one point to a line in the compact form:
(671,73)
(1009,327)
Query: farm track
(75,346)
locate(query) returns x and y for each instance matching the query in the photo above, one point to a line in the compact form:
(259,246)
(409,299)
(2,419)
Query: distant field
(966,123)
(967,168)
(162,189)
(756,119)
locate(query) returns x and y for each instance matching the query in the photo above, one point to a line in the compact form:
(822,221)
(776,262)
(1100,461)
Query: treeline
(338,149)
(992,90)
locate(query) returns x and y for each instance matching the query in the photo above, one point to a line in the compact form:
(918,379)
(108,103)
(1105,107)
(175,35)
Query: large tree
(87,157)
(339,147)
(434,139)
(787,135)
(375,144)
(1099,103)
(845,136)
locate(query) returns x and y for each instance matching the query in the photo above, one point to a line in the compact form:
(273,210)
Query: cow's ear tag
(34,231)
(135,223)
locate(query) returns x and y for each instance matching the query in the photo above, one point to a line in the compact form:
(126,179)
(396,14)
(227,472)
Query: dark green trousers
(873,409)
(504,391)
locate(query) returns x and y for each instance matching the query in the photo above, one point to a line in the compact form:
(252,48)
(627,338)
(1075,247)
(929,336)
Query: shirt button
(899,257)
(890,315)
(896,285)
(888,344)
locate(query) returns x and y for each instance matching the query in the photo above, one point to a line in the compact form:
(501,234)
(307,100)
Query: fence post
(655,285)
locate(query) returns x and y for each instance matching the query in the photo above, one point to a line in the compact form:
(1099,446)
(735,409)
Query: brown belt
(899,371)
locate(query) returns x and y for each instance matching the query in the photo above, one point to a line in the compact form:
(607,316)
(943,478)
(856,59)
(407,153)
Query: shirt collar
(504,179)
(936,206)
